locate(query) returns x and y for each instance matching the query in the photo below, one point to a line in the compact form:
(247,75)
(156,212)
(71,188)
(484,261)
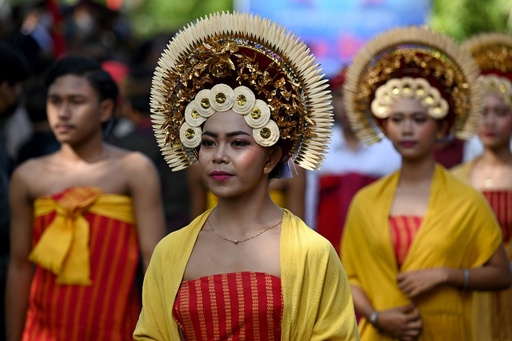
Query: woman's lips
(220,176)
(408,144)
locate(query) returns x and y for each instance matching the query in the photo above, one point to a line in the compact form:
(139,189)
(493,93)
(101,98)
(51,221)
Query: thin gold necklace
(236,241)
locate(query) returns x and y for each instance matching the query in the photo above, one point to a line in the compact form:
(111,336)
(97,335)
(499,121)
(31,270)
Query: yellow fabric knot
(64,246)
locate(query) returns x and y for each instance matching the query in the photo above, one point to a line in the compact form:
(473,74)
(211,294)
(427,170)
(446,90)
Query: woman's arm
(495,274)
(403,323)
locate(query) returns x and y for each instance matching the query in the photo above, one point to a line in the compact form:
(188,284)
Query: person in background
(81,215)
(418,242)
(232,100)
(175,194)
(14,72)
(491,172)
(42,140)
(348,166)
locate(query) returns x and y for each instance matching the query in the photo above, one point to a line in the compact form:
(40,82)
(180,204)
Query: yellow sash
(64,246)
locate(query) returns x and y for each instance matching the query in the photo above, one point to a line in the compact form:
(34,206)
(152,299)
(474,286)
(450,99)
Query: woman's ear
(273,158)
(107,110)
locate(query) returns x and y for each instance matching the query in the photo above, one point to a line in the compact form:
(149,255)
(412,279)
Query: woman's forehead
(408,105)
(227,121)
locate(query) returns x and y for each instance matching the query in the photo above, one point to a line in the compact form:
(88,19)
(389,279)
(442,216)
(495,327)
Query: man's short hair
(88,67)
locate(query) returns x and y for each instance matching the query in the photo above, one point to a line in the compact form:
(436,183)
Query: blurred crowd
(39,32)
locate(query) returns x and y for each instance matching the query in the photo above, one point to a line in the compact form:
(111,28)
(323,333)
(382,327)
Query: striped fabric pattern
(501,203)
(106,310)
(403,231)
(232,306)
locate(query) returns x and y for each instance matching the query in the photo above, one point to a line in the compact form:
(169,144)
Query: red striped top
(501,203)
(232,306)
(403,232)
(106,310)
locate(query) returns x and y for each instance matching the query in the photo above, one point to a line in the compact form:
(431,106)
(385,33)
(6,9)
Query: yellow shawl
(491,311)
(64,246)
(459,230)
(317,300)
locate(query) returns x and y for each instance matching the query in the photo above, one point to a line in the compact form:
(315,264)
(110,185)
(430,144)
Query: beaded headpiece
(493,54)
(252,66)
(412,62)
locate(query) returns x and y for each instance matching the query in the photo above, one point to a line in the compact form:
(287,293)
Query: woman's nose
(407,126)
(220,154)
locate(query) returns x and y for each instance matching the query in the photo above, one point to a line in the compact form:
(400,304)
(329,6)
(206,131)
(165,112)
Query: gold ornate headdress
(493,54)
(418,63)
(252,66)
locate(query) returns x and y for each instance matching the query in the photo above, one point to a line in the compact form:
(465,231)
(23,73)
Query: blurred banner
(336,29)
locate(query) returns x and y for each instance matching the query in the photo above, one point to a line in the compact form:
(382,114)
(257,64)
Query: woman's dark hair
(280,171)
(88,67)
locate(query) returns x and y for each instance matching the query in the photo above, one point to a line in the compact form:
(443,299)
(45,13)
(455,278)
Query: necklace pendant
(235,242)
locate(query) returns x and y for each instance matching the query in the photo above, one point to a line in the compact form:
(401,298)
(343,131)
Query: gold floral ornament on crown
(493,53)
(412,62)
(252,66)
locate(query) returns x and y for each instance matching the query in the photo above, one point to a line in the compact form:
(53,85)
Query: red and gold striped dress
(106,310)
(493,310)
(403,231)
(232,306)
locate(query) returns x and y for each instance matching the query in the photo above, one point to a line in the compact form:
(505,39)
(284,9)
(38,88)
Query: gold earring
(265,170)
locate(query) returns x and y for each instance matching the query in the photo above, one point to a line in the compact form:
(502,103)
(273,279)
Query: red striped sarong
(233,306)
(501,204)
(107,309)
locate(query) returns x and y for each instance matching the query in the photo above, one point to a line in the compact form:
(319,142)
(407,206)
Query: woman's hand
(415,283)
(402,323)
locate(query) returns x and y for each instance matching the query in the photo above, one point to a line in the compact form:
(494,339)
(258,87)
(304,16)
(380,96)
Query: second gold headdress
(418,63)
(493,54)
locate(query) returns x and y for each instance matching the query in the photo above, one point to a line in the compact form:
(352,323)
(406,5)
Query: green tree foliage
(461,19)
(150,17)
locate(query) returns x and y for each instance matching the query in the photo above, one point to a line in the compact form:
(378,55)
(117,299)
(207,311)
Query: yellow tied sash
(64,246)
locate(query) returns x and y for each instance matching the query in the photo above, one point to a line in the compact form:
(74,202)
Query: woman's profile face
(232,162)
(411,129)
(495,126)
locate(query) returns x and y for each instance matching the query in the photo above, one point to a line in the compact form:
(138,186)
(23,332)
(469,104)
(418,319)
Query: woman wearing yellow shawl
(242,96)
(418,242)
(491,173)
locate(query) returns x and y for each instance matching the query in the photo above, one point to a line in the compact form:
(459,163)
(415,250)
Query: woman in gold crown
(242,96)
(417,242)
(491,173)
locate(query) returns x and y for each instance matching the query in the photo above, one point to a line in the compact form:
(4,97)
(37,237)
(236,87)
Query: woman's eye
(206,143)
(240,143)
(502,112)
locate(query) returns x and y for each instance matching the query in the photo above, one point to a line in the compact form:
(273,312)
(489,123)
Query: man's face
(74,109)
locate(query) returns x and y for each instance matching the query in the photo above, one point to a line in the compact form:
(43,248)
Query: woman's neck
(417,171)
(246,214)
(497,157)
